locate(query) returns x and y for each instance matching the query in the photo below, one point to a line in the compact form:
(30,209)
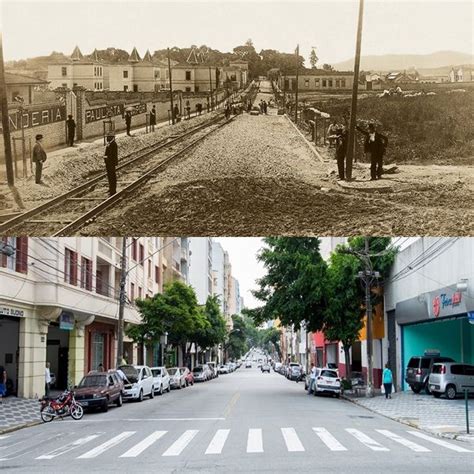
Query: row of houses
(428,307)
(59,300)
(145,74)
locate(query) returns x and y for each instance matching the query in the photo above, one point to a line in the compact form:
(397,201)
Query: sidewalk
(16,413)
(438,416)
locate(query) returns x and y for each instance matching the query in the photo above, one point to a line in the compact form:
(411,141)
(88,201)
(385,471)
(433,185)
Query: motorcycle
(64,405)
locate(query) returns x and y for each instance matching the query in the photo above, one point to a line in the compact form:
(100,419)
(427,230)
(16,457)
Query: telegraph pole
(5,120)
(210,85)
(297,75)
(368,305)
(355,88)
(171,87)
(122,296)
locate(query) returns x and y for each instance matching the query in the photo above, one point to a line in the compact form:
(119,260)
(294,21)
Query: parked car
(248,364)
(265,368)
(295,372)
(161,380)
(213,367)
(99,390)
(188,376)
(200,374)
(232,366)
(223,369)
(277,366)
(177,378)
(140,384)
(451,379)
(327,381)
(419,369)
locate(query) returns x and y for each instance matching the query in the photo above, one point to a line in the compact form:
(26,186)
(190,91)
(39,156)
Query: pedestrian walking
(177,117)
(47,379)
(3,383)
(128,121)
(341,150)
(387,379)
(312,379)
(332,133)
(375,144)
(188,109)
(71,130)
(111,162)
(153,118)
(39,157)
(265,107)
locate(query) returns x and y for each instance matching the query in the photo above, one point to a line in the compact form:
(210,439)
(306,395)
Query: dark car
(419,369)
(99,390)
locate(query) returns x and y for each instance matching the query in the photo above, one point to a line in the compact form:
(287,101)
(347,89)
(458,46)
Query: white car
(248,365)
(139,383)
(327,381)
(177,378)
(223,369)
(161,380)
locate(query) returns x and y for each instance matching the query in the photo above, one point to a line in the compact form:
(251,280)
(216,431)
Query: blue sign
(470,317)
(66,321)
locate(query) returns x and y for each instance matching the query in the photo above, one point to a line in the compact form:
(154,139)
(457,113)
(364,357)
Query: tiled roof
(14,79)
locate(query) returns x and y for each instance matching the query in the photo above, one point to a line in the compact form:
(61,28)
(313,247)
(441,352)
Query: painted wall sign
(107,111)
(446,302)
(9,311)
(35,117)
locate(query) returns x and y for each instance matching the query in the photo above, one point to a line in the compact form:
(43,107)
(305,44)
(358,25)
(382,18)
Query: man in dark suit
(375,144)
(128,121)
(39,157)
(111,162)
(341,150)
(71,130)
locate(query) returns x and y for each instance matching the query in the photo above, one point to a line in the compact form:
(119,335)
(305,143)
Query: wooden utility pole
(355,88)
(368,308)
(122,297)
(297,74)
(5,120)
(210,85)
(171,88)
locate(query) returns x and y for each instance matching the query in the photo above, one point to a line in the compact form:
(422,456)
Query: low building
(195,77)
(461,74)
(404,77)
(317,80)
(22,88)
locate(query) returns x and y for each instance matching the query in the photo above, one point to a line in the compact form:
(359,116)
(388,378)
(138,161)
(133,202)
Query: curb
(308,143)
(453,436)
(368,189)
(20,427)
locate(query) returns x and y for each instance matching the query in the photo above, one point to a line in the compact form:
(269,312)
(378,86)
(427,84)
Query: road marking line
(231,404)
(255,441)
(22,451)
(364,439)
(178,446)
(217,443)
(107,445)
(293,443)
(440,442)
(405,442)
(328,439)
(142,445)
(67,447)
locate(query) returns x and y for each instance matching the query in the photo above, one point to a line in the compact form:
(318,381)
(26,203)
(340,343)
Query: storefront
(436,322)
(10,318)
(100,345)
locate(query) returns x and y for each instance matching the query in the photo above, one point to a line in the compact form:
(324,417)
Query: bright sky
(37,27)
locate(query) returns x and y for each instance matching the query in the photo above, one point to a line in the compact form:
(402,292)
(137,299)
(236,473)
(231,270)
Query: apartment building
(200,268)
(59,300)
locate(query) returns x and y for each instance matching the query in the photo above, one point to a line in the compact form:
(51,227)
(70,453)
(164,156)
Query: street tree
(345,295)
(328,67)
(237,344)
(313,59)
(293,287)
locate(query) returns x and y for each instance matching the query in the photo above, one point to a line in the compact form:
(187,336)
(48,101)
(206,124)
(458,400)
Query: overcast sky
(37,27)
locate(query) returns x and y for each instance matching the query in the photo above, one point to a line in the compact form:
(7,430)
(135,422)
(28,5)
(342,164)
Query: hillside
(390,62)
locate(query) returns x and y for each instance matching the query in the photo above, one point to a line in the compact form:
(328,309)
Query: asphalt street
(241,422)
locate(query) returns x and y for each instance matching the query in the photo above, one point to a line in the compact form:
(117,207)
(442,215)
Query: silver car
(161,379)
(177,378)
(451,379)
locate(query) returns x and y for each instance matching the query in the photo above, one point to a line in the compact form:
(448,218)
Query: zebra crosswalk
(169,444)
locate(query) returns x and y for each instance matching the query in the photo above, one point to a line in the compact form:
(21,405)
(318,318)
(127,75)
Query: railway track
(65,214)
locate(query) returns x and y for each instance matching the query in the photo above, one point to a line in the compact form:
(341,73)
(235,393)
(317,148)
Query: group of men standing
(375,144)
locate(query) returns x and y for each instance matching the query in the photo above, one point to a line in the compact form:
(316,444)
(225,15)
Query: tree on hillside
(313,59)
(328,67)
(345,305)
(293,288)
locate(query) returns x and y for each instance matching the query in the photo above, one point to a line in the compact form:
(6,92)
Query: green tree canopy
(214,332)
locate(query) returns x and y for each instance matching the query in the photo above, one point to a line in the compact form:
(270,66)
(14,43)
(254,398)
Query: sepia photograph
(237,118)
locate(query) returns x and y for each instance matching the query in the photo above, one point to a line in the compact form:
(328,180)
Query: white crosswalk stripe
(178,446)
(255,441)
(367,440)
(217,443)
(440,442)
(107,445)
(68,447)
(405,442)
(328,439)
(292,441)
(142,445)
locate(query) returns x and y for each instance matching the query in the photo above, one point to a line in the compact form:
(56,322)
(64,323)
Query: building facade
(317,80)
(200,268)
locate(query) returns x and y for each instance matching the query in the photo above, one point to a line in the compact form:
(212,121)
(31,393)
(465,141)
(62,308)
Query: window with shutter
(132,291)
(22,254)
(134,250)
(157,274)
(70,267)
(142,254)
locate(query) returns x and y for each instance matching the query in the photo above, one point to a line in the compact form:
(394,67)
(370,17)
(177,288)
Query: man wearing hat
(128,121)
(39,157)
(111,162)
(375,144)
(71,130)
